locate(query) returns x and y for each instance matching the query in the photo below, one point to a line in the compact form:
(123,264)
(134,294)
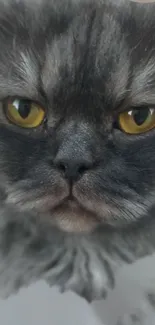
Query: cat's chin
(71,217)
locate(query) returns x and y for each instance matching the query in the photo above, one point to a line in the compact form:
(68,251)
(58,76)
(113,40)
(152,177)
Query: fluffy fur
(84,62)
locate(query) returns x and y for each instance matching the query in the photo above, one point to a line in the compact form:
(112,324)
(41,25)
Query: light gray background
(41,305)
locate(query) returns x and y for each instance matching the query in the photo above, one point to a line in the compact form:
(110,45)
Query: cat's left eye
(137,121)
(24,113)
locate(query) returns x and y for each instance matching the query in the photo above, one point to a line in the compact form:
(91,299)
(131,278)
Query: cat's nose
(76,151)
(73,168)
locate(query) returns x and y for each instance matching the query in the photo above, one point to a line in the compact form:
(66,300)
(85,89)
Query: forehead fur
(45,42)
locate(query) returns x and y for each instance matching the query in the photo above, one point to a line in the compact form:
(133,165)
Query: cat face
(77,118)
(77,168)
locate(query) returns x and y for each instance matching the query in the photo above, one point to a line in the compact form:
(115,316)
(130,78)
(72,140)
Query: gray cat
(77,142)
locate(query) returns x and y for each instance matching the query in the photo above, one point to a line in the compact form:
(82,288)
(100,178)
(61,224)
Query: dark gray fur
(82,60)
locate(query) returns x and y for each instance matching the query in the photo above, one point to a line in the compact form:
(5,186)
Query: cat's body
(84,62)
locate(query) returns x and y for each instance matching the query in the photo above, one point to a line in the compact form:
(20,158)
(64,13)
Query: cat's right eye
(24,113)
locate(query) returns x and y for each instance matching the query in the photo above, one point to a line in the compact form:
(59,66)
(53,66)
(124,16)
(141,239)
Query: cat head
(77,112)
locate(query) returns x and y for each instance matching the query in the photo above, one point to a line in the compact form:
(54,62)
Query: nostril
(62,167)
(73,169)
(82,169)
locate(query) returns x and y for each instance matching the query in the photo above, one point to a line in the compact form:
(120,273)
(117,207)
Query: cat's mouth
(71,216)
(72,210)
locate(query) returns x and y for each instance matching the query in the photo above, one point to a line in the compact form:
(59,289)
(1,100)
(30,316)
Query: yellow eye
(24,113)
(137,121)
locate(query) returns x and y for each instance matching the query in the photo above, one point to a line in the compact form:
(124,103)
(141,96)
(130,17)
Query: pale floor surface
(40,305)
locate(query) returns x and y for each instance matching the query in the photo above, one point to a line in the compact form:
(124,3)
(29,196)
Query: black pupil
(24,108)
(140,116)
